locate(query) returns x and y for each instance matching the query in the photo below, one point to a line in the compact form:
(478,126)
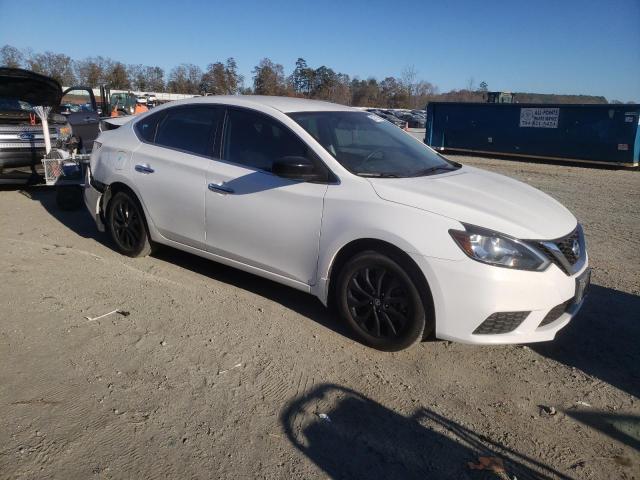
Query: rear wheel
(380,301)
(127,225)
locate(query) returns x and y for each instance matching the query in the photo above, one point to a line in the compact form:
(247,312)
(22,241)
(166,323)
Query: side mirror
(296,168)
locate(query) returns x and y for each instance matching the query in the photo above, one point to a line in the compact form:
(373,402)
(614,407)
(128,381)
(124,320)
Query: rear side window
(190,129)
(255,140)
(146,128)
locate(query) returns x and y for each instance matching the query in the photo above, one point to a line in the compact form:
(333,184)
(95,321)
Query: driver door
(258,218)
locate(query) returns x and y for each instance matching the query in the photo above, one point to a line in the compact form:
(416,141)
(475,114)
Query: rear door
(170,169)
(79,106)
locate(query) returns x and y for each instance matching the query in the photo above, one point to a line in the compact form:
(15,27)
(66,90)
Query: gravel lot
(218,374)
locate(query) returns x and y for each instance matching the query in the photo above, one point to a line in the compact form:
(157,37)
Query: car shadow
(602,340)
(80,222)
(348,435)
(300,302)
(621,427)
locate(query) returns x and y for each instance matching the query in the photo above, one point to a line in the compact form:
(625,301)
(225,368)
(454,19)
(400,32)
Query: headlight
(494,248)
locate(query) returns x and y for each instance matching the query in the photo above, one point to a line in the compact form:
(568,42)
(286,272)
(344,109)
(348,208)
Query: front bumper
(466,293)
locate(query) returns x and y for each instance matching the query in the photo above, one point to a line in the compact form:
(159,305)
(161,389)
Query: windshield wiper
(427,171)
(377,175)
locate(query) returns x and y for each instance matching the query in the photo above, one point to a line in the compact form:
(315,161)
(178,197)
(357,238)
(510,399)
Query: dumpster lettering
(539,117)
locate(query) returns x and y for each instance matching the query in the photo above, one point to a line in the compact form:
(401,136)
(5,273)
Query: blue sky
(560,46)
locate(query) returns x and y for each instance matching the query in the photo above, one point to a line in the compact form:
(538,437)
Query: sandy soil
(218,374)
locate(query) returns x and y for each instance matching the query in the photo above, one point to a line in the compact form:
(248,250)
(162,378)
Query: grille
(501,322)
(552,257)
(565,245)
(555,313)
(10,136)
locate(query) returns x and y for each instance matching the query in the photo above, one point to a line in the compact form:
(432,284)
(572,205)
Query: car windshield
(14,105)
(370,146)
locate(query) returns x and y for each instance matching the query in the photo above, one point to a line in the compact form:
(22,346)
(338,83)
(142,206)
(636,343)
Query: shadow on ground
(621,427)
(602,340)
(80,222)
(359,438)
(296,300)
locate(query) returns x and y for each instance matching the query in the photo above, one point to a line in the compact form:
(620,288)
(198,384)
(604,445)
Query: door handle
(144,168)
(214,187)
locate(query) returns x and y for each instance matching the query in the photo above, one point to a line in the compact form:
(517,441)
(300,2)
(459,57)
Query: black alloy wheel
(381,302)
(127,225)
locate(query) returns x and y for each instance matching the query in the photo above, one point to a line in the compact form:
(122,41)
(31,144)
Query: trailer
(603,134)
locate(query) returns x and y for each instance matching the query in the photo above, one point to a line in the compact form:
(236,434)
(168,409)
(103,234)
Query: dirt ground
(219,374)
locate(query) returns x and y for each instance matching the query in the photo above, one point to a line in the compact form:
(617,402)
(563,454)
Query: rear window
(189,129)
(146,128)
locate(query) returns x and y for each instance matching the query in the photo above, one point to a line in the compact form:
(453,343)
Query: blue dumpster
(607,134)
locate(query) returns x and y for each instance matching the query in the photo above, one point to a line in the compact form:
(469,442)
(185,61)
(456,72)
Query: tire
(127,225)
(362,285)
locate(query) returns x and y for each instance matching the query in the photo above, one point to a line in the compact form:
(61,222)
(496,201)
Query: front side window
(256,141)
(190,129)
(368,145)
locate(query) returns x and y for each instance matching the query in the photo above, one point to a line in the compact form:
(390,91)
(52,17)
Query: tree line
(268,78)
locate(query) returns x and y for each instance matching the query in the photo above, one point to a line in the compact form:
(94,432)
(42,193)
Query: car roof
(283,104)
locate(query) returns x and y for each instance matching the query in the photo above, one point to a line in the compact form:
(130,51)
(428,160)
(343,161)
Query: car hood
(474,196)
(29,87)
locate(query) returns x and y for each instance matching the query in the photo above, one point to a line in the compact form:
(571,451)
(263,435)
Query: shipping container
(607,134)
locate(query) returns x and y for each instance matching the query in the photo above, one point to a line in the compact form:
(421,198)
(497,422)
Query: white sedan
(342,204)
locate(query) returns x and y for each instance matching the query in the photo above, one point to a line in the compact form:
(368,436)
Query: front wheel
(380,301)
(127,225)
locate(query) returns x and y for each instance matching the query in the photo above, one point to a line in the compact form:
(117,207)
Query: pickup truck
(74,113)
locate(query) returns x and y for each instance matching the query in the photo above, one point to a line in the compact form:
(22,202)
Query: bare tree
(55,65)
(117,77)
(137,78)
(408,79)
(91,71)
(471,84)
(185,78)
(154,77)
(11,57)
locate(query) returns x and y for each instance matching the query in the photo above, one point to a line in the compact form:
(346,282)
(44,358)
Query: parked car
(391,118)
(414,121)
(337,202)
(21,134)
